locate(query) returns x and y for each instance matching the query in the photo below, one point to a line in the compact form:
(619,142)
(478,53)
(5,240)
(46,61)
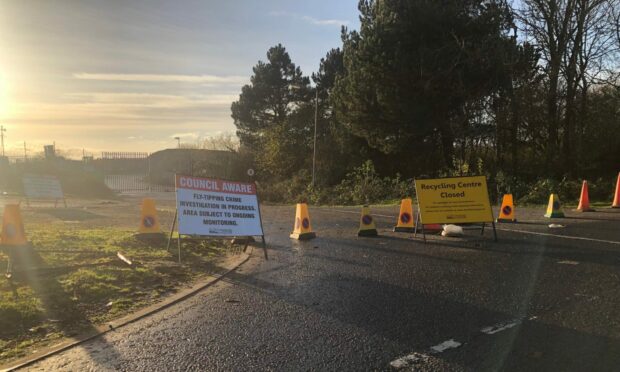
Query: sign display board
(42,187)
(454,200)
(212,207)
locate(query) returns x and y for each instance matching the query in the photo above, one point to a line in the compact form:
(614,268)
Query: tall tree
(263,113)
(574,39)
(413,67)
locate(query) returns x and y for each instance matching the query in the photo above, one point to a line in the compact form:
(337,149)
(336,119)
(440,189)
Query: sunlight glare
(4,96)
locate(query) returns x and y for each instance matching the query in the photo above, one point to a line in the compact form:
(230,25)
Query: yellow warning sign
(454,200)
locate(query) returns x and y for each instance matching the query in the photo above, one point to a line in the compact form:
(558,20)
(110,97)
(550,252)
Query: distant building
(203,163)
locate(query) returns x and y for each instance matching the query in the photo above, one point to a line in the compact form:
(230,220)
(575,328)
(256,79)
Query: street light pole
(178,141)
(316,119)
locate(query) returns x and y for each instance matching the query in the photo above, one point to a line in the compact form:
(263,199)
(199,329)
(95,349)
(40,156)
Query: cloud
(325,22)
(126,107)
(163,78)
(148,100)
(309,19)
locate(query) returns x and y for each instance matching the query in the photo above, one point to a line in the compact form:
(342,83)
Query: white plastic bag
(452,230)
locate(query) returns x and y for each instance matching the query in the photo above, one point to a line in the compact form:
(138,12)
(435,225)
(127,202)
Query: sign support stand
(55,202)
(494,231)
(417,222)
(174,223)
(179,247)
(260,218)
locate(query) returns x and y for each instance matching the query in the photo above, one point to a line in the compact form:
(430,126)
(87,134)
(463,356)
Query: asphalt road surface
(529,302)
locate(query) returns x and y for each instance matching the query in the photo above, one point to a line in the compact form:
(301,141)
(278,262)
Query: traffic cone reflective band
(554,209)
(616,203)
(302,229)
(584,199)
(149,223)
(405,217)
(507,210)
(367,223)
(13,233)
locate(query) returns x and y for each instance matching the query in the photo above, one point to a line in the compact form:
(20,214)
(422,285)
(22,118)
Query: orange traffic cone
(584,199)
(367,223)
(149,222)
(405,217)
(13,232)
(303,228)
(616,203)
(507,211)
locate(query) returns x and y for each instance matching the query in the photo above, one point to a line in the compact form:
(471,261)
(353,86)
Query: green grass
(76,282)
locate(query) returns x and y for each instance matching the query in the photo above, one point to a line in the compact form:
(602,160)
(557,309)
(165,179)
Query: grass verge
(74,281)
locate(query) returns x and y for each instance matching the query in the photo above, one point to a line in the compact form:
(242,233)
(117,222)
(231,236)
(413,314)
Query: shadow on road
(592,218)
(417,320)
(552,250)
(373,246)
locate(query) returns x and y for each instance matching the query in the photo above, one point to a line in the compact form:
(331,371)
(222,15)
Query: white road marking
(416,358)
(500,327)
(450,344)
(560,236)
(408,360)
(567,262)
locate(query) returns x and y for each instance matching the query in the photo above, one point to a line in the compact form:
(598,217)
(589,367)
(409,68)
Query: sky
(116,75)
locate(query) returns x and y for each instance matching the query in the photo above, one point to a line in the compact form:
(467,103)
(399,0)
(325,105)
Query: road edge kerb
(128,319)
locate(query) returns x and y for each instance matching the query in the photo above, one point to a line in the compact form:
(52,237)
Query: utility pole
(2,131)
(316,119)
(178,141)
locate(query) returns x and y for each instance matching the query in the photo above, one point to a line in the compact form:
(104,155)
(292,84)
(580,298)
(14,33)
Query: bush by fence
(365,185)
(75,178)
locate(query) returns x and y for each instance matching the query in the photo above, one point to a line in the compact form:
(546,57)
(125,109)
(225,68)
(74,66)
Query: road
(528,302)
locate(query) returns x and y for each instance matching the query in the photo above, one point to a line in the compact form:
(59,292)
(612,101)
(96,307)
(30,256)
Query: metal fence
(127,171)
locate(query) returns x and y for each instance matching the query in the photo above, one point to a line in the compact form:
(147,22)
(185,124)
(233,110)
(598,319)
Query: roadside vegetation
(526,93)
(365,185)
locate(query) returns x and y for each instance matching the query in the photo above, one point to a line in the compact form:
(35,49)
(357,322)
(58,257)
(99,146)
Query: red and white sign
(212,207)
